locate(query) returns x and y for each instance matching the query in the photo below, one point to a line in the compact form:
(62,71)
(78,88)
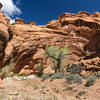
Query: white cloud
(12,21)
(9,8)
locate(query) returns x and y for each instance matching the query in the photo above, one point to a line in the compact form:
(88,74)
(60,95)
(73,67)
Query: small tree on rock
(57,57)
(40,70)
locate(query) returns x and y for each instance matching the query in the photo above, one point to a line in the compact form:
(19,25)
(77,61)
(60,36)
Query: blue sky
(43,11)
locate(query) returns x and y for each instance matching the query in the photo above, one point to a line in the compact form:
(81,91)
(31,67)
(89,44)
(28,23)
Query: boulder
(19,21)
(32,23)
(96,14)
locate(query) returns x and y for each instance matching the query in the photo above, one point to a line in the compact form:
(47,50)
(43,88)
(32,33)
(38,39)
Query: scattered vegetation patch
(40,70)
(97,75)
(82,94)
(46,76)
(74,68)
(70,88)
(17,75)
(90,81)
(7,70)
(58,76)
(74,78)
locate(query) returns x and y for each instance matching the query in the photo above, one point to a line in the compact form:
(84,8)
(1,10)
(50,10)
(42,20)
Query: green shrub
(58,76)
(70,88)
(54,76)
(82,92)
(97,75)
(90,81)
(40,70)
(7,70)
(46,76)
(57,57)
(74,78)
(74,68)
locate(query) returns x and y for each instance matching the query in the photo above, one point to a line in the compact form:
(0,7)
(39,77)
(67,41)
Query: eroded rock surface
(30,42)
(4,34)
(78,32)
(19,21)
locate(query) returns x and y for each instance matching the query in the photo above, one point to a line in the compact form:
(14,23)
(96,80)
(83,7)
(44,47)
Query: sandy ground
(36,89)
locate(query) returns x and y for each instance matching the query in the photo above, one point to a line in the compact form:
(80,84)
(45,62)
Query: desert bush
(74,78)
(7,70)
(74,68)
(70,88)
(90,81)
(46,76)
(82,92)
(54,76)
(58,76)
(97,75)
(57,57)
(40,70)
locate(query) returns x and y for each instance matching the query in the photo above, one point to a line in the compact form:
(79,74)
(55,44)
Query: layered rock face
(32,23)
(78,32)
(84,24)
(19,21)
(30,42)
(4,34)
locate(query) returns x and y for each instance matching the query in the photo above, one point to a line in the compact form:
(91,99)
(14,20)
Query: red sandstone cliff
(26,43)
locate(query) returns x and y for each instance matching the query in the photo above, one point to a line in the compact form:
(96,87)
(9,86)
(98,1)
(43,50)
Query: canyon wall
(27,43)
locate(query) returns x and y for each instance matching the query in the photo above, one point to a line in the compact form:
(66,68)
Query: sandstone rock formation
(1,5)
(78,32)
(4,34)
(54,24)
(19,21)
(32,23)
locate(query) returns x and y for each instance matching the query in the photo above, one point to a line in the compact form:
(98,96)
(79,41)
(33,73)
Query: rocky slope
(26,43)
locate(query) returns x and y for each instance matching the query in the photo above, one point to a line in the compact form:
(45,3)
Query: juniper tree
(57,57)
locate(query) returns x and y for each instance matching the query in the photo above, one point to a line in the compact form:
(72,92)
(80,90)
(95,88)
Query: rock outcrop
(4,34)
(78,32)
(19,21)
(32,23)
(30,42)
